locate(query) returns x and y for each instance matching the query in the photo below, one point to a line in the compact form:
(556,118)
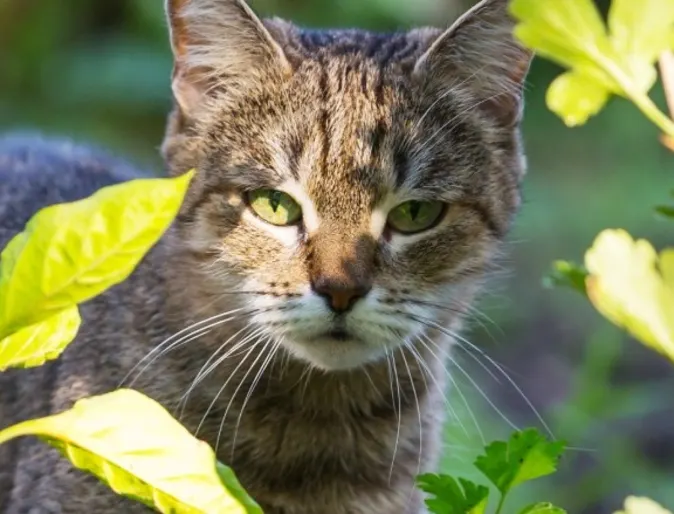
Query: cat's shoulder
(36,171)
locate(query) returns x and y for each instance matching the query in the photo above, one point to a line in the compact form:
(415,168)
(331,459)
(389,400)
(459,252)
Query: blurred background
(99,72)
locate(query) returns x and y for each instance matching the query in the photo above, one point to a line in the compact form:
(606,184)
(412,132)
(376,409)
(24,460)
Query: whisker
(496,365)
(168,340)
(251,389)
(421,430)
(464,400)
(394,369)
(238,388)
(215,399)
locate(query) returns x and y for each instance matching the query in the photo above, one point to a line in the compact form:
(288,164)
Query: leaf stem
(651,111)
(500,504)
(13,432)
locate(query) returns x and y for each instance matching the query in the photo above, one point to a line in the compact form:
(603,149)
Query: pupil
(275,200)
(415,207)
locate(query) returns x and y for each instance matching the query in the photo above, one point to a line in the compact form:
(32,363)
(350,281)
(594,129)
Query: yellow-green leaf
(573,34)
(575,98)
(72,252)
(133,444)
(639,505)
(45,340)
(633,286)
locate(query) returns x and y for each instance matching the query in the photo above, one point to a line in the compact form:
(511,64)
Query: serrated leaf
(640,505)
(72,252)
(45,340)
(526,456)
(542,508)
(133,444)
(450,496)
(633,286)
(573,34)
(566,274)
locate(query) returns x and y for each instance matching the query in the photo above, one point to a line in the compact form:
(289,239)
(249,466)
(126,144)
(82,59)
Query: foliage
(572,33)
(527,455)
(70,253)
(132,444)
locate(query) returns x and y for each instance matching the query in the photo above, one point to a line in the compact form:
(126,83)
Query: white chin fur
(331,355)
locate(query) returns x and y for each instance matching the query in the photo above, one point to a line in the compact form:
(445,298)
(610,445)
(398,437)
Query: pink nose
(340,297)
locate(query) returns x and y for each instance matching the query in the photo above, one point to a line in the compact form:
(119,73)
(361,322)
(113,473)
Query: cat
(352,192)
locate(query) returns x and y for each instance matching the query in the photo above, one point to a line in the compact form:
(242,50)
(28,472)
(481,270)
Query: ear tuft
(479,54)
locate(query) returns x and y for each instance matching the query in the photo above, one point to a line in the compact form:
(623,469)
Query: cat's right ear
(219,45)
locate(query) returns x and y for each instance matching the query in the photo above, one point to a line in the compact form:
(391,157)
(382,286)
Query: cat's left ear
(479,56)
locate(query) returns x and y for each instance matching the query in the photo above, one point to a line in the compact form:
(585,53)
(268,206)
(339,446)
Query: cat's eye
(275,207)
(415,216)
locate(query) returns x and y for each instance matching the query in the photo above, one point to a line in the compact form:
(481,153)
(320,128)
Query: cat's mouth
(339,334)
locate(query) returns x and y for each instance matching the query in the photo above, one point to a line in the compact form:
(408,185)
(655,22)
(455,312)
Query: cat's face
(351,189)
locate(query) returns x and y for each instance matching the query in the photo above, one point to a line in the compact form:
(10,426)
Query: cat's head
(351,187)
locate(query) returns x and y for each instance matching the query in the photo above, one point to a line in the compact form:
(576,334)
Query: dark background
(98,71)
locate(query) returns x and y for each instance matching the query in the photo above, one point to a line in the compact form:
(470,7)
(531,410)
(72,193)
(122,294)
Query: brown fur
(352,123)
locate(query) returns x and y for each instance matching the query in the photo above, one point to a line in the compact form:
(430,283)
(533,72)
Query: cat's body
(333,376)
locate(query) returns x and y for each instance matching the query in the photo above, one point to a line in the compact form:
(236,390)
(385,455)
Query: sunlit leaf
(449,496)
(633,286)
(45,340)
(542,508)
(573,34)
(566,274)
(526,456)
(132,444)
(575,98)
(71,252)
(638,505)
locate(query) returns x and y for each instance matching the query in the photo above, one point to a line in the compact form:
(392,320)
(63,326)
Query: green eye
(275,207)
(415,216)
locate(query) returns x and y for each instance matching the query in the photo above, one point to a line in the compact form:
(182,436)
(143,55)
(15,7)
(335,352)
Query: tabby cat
(352,191)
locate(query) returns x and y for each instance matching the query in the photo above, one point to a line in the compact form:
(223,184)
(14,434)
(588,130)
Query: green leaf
(132,444)
(640,505)
(542,508)
(633,286)
(452,497)
(575,98)
(573,34)
(45,340)
(566,274)
(72,252)
(526,456)
(665,210)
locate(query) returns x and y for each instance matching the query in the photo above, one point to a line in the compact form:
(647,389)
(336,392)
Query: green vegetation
(100,72)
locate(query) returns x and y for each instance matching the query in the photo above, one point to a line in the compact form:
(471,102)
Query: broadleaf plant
(617,59)
(71,252)
(527,455)
(132,443)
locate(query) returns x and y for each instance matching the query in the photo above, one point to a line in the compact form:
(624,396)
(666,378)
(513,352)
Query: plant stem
(651,111)
(500,504)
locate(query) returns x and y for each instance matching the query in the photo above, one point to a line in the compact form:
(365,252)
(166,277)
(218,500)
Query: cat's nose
(340,297)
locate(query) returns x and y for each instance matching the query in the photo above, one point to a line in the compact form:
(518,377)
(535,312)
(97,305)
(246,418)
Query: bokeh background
(99,72)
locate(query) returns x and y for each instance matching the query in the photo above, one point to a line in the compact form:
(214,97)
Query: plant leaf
(72,252)
(42,341)
(665,210)
(640,505)
(526,456)
(575,98)
(133,444)
(566,274)
(633,287)
(450,496)
(542,508)
(573,34)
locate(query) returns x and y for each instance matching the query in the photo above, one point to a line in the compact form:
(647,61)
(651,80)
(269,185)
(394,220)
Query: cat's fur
(351,124)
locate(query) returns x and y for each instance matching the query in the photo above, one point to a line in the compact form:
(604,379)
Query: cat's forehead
(351,134)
